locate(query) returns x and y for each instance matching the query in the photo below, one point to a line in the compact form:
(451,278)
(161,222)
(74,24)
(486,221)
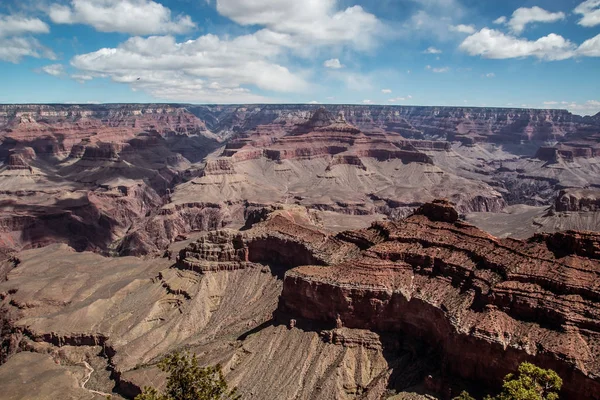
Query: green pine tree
(188,381)
(530,383)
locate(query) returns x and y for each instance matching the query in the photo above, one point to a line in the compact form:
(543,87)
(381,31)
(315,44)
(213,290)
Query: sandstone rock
(578,200)
(433,277)
(439,210)
(481,305)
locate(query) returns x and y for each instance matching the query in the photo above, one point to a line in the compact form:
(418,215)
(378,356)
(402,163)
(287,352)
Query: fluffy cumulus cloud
(136,17)
(228,69)
(333,63)
(491,43)
(13,49)
(386,91)
(469,29)
(590,13)
(205,69)
(12,25)
(590,48)
(16,41)
(307,21)
(54,69)
(524,16)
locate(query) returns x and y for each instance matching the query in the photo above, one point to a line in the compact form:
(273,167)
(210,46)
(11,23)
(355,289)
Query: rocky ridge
(435,278)
(429,294)
(206,167)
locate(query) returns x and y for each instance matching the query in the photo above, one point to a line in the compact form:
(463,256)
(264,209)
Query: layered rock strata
(486,303)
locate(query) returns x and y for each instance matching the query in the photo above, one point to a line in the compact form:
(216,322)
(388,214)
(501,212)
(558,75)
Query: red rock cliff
(487,304)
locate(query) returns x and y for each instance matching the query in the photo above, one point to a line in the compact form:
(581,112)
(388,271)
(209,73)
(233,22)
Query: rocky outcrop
(276,241)
(20,158)
(464,124)
(487,304)
(348,160)
(426,300)
(578,200)
(568,151)
(153,234)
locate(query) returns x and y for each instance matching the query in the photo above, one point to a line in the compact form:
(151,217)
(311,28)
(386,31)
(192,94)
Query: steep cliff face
(288,308)
(53,130)
(211,164)
(487,304)
(578,200)
(118,161)
(451,123)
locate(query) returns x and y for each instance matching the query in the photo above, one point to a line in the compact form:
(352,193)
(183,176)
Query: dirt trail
(87,378)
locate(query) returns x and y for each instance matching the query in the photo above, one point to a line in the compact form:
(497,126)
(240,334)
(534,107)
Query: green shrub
(530,383)
(188,381)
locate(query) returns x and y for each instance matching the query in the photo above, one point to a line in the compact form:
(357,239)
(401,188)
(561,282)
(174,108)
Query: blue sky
(542,54)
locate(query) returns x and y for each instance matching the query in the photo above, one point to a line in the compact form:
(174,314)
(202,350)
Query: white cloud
(367,102)
(334,63)
(523,16)
(432,50)
(312,22)
(590,11)
(12,25)
(438,70)
(13,49)
(136,17)
(500,20)
(433,17)
(490,43)
(313,102)
(590,107)
(400,99)
(470,29)
(54,69)
(550,103)
(386,91)
(490,75)
(590,48)
(228,69)
(205,69)
(82,78)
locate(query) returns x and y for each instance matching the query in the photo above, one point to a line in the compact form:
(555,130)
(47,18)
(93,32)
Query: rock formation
(578,200)
(288,308)
(486,304)
(300,246)
(205,167)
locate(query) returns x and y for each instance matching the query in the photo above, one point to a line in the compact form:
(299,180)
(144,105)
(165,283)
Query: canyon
(305,248)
